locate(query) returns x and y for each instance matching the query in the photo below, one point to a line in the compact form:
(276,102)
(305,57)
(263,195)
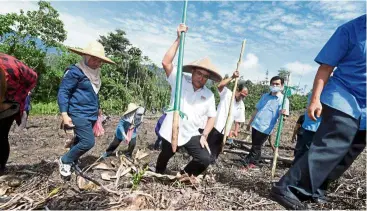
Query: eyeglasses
(202,75)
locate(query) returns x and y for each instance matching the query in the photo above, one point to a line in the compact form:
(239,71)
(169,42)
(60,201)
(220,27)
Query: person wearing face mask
(215,138)
(127,130)
(268,110)
(197,103)
(78,102)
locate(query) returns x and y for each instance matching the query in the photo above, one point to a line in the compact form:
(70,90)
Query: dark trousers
(303,144)
(84,140)
(215,141)
(258,139)
(200,157)
(115,143)
(335,146)
(5,125)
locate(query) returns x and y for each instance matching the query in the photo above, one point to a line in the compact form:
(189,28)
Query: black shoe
(287,199)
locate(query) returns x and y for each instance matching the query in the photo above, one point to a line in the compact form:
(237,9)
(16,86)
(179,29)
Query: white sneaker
(64,169)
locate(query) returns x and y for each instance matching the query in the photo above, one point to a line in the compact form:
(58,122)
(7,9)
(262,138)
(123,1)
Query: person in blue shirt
(341,136)
(264,119)
(79,104)
(308,129)
(127,130)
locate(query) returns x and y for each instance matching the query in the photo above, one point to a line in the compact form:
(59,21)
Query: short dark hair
(241,85)
(275,78)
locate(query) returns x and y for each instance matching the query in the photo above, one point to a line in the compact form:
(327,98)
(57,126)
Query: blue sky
(279,34)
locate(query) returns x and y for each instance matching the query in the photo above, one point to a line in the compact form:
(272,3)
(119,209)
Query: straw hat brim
(214,76)
(129,110)
(82,52)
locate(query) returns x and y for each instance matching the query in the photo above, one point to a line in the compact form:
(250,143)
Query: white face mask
(275,89)
(138,117)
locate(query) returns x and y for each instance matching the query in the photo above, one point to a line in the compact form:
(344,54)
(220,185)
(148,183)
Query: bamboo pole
(232,98)
(177,103)
(279,131)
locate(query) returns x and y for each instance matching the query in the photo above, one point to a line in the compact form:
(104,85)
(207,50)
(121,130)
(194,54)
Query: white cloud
(317,24)
(251,69)
(299,68)
(81,31)
(291,19)
(9,7)
(340,10)
(206,16)
(277,28)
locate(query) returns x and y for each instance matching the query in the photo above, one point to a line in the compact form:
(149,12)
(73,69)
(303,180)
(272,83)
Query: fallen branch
(266,157)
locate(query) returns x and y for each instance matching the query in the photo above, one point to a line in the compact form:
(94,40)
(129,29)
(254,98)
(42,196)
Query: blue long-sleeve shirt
(76,95)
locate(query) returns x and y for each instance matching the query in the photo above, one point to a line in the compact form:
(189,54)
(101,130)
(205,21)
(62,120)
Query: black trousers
(5,125)
(336,144)
(303,144)
(215,141)
(258,139)
(115,143)
(200,157)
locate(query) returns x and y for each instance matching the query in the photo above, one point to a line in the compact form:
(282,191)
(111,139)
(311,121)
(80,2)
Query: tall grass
(115,107)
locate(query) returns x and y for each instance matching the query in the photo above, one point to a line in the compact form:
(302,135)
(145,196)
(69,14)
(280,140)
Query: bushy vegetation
(36,38)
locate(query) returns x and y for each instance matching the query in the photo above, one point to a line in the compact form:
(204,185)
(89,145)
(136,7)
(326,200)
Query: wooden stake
(232,98)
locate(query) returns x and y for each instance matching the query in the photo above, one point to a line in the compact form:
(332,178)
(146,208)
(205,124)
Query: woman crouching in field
(127,130)
(79,104)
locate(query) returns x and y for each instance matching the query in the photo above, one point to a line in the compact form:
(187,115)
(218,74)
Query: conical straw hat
(130,108)
(95,49)
(205,64)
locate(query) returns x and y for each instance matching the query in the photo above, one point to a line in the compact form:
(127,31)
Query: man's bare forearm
(321,78)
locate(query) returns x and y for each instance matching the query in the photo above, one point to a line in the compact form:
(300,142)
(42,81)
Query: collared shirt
(197,105)
(76,95)
(268,112)
(238,111)
(20,80)
(309,124)
(346,50)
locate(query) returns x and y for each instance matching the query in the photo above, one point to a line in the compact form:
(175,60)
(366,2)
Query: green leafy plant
(137,177)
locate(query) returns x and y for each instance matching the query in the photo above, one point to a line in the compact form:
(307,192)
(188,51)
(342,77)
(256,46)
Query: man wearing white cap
(78,102)
(197,102)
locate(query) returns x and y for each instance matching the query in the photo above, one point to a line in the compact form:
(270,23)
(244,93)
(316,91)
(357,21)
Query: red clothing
(20,80)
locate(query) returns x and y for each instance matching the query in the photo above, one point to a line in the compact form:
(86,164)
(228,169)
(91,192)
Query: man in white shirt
(197,102)
(215,138)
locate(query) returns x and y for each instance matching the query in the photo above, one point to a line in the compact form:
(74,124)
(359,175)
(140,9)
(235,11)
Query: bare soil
(33,164)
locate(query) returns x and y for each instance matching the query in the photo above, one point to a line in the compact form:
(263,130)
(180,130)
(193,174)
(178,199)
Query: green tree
(27,35)
(282,72)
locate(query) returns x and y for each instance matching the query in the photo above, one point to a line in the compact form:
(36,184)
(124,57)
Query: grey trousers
(336,144)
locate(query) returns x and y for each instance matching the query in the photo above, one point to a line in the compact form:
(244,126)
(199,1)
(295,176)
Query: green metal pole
(177,102)
(279,131)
